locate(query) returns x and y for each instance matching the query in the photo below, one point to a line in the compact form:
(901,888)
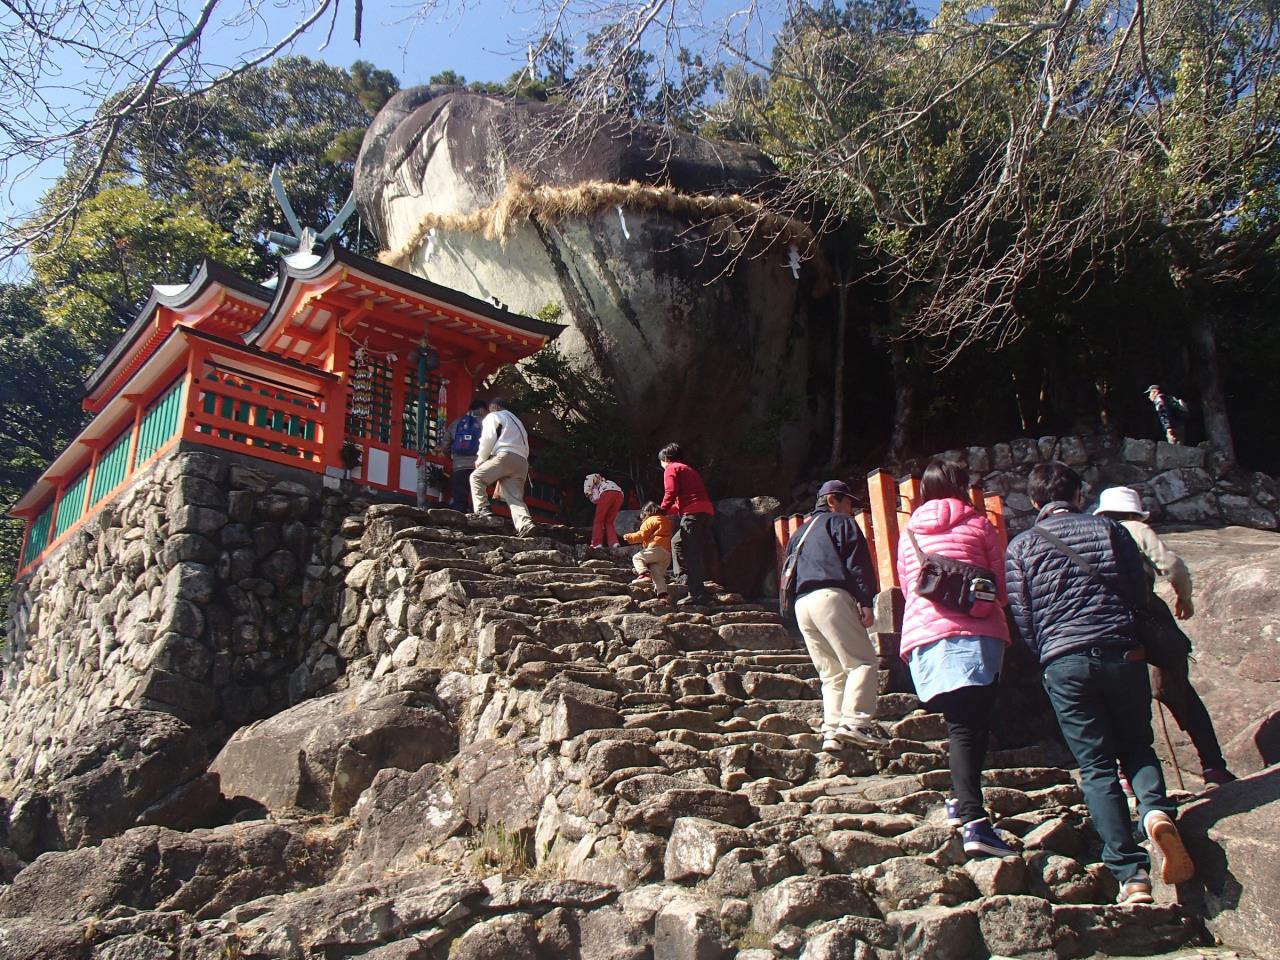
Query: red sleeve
(669,490)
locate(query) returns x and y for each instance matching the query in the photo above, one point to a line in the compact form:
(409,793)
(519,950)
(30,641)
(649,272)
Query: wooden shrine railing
(891,503)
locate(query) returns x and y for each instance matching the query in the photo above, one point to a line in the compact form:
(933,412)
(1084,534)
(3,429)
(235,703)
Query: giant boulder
(1235,632)
(700,345)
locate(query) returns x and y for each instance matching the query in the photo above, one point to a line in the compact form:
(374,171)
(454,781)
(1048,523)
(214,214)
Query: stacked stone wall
(1179,484)
(200,591)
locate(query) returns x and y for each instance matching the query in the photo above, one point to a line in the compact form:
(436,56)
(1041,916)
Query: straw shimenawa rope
(523,200)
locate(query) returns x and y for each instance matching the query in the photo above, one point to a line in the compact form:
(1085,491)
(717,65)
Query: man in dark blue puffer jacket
(1094,669)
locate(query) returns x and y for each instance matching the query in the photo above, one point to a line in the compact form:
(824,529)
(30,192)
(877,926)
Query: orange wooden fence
(891,502)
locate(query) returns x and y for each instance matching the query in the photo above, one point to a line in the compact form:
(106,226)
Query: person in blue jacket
(1076,614)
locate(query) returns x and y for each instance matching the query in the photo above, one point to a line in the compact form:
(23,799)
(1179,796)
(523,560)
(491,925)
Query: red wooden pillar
(882,491)
(197,353)
(994,508)
(135,400)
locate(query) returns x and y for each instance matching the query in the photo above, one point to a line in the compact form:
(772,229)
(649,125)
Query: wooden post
(136,401)
(994,508)
(908,498)
(865,524)
(882,492)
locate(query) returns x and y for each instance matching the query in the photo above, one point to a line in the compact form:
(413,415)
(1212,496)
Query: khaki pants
(509,471)
(653,561)
(842,653)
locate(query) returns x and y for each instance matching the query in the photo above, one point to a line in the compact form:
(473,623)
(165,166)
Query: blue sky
(486,43)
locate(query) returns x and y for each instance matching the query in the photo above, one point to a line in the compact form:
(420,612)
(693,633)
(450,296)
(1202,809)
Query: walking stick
(1164,728)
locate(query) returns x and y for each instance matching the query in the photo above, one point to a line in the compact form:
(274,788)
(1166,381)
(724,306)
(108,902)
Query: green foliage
(305,116)
(125,240)
(41,370)
(576,410)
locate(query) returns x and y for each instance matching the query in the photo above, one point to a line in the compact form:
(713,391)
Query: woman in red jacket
(955,658)
(685,496)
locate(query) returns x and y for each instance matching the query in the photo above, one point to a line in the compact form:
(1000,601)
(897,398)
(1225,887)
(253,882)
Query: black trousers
(1173,688)
(689,546)
(968,714)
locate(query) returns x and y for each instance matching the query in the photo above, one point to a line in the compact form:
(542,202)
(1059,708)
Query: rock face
(320,755)
(1233,838)
(649,299)
(133,767)
(1234,633)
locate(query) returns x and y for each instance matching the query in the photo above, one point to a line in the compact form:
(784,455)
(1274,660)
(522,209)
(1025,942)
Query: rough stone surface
(1232,837)
(321,754)
(126,771)
(494,746)
(447,151)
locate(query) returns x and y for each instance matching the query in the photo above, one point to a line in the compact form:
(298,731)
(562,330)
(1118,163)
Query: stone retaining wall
(1184,485)
(197,592)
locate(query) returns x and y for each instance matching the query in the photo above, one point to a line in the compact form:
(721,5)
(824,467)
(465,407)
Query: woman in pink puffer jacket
(955,658)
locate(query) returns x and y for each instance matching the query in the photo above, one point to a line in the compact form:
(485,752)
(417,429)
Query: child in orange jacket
(652,562)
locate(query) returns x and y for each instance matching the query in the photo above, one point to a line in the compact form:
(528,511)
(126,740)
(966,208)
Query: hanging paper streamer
(431,244)
(623,220)
(793,261)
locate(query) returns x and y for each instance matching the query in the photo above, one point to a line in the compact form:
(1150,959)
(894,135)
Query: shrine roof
(337,256)
(209,274)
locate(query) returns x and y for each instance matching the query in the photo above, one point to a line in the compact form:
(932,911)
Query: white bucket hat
(1121,500)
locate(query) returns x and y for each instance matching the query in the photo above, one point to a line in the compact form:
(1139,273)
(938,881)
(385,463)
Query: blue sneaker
(981,839)
(952,808)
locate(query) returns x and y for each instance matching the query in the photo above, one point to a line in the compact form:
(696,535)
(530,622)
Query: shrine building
(318,369)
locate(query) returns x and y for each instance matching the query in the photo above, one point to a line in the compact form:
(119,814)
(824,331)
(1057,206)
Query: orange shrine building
(318,369)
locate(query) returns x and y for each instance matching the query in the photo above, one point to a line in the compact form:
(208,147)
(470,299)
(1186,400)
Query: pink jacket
(950,528)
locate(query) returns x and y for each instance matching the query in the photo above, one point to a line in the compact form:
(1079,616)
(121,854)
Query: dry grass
(498,850)
(735,219)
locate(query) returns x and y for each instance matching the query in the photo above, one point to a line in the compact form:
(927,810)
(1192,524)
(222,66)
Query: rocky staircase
(679,748)
(525,755)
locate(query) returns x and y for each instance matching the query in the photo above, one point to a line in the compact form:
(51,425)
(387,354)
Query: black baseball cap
(835,486)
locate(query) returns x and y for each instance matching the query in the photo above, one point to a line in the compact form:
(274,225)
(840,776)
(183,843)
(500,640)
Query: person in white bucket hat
(1172,687)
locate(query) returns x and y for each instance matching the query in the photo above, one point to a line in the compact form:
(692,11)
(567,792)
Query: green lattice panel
(111,470)
(38,538)
(159,423)
(71,505)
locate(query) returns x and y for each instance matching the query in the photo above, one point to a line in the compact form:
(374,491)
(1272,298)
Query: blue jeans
(1103,704)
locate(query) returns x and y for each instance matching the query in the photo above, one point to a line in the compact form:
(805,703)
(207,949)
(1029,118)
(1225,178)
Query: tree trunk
(423,466)
(837,393)
(1204,346)
(904,395)
(1204,358)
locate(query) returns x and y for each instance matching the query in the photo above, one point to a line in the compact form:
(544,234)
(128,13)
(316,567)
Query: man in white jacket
(503,458)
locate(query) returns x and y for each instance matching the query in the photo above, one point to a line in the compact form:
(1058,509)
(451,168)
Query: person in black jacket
(1076,615)
(835,588)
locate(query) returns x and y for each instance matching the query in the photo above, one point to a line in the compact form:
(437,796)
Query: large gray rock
(648,304)
(1233,839)
(204,872)
(321,754)
(1234,631)
(133,767)
(401,818)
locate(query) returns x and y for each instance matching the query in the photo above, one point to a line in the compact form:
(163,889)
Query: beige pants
(509,471)
(842,653)
(654,561)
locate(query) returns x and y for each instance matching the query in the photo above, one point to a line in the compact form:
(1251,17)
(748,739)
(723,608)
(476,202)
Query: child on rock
(654,536)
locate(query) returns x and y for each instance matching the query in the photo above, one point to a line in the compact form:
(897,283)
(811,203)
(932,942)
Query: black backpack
(952,583)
